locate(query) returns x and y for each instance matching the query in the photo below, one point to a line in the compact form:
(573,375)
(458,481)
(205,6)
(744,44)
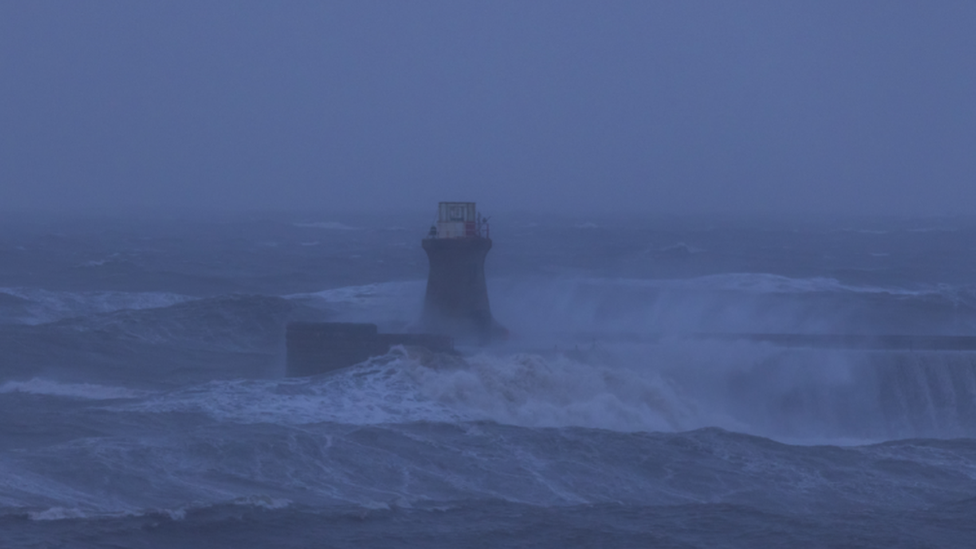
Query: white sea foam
(524,389)
(673,386)
(262,501)
(72,513)
(59,513)
(21,486)
(379,391)
(38,386)
(532,391)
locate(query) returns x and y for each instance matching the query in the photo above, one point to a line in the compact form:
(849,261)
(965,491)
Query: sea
(144,402)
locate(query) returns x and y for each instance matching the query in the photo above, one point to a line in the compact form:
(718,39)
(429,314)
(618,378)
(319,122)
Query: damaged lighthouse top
(456,302)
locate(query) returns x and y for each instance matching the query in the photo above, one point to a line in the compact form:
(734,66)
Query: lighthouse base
(456,303)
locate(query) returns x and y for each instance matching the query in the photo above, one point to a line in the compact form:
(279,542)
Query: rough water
(143,403)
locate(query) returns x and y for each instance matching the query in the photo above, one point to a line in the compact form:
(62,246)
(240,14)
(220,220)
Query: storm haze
(701,275)
(682,107)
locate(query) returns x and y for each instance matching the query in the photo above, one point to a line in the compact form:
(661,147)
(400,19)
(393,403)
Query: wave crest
(89,391)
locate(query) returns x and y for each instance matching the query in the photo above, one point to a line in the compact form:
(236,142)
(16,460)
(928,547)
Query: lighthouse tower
(456,303)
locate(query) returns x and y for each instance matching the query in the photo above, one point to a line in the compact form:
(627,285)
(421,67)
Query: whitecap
(58,513)
(38,386)
(523,389)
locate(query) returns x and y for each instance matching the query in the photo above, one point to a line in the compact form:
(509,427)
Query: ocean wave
(58,512)
(377,303)
(754,283)
(88,391)
(524,389)
(766,283)
(738,302)
(743,302)
(68,513)
(803,396)
(227,322)
(382,390)
(331,225)
(366,293)
(530,390)
(592,303)
(420,464)
(43,306)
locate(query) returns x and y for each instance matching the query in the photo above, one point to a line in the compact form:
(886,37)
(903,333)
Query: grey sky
(657,106)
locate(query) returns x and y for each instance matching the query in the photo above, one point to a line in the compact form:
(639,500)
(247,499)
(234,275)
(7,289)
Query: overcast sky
(676,106)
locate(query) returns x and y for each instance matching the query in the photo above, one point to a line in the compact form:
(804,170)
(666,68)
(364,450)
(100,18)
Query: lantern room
(458,220)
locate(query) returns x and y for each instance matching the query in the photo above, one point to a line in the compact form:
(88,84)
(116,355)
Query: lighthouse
(456,302)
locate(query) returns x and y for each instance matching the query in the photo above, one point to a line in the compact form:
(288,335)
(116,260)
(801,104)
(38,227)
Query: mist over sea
(143,401)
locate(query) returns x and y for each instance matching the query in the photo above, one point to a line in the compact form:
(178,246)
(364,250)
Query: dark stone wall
(319,347)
